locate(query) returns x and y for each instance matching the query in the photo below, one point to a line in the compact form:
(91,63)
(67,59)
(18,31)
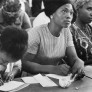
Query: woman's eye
(89,9)
(67,11)
(71,13)
(64,11)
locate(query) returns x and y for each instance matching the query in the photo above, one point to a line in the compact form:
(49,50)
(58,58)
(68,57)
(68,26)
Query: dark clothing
(83,42)
(36,7)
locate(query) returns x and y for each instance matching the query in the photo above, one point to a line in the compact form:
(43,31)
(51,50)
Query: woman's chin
(67,25)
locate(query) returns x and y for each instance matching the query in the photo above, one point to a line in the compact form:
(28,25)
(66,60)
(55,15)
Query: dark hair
(14,42)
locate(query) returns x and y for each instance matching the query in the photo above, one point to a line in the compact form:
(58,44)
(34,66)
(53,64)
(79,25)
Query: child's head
(13,42)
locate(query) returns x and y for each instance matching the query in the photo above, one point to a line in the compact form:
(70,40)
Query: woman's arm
(30,66)
(75,62)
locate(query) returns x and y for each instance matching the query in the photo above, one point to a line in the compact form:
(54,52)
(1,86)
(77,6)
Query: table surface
(84,85)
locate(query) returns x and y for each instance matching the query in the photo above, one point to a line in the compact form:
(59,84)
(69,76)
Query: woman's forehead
(67,6)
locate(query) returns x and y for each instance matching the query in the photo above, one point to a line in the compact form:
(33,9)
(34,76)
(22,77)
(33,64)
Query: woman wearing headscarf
(82,31)
(49,43)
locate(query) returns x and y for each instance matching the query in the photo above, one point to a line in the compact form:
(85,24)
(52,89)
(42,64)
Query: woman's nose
(91,14)
(69,16)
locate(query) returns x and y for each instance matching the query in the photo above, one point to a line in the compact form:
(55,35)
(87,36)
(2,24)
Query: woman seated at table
(49,43)
(82,31)
(13,44)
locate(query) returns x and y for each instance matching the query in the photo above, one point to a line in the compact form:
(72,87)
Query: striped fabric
(45,45)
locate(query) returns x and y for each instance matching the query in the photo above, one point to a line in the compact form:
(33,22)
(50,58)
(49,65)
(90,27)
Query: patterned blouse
(82,41)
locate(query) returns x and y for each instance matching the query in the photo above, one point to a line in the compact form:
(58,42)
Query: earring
(51,16)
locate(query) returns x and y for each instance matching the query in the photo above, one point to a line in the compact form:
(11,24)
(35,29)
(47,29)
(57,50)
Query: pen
(88,76)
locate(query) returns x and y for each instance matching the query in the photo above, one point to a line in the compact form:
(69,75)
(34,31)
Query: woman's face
(85,12)
(63,16)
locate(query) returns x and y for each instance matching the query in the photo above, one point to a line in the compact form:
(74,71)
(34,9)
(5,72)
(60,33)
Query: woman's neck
(80,24)
(54,29)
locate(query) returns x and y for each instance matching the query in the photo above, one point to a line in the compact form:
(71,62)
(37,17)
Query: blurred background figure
(26,6)
(11,14)
(36,7)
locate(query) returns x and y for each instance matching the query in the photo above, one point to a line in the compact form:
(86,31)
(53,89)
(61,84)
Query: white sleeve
(18,63)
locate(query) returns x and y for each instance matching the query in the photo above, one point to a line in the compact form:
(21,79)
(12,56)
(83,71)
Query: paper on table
(64,81)
(44,81)
(20,87)
(30,80)
(11,85)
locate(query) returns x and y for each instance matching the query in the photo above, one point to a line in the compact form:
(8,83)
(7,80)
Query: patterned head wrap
(80,3)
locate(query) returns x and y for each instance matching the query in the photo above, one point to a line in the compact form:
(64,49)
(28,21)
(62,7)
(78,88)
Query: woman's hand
(62,69)
(1,82)
(78,68)
(8,76)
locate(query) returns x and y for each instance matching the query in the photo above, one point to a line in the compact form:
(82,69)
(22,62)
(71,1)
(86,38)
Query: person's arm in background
(26,21)
(2,71)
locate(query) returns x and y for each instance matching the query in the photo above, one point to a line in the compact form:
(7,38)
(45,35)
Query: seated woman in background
(49,43)
(13,45)
(82,31)
(11,14)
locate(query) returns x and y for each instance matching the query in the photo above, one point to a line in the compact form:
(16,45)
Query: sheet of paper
(11,85)
(68,77)
(44,81)
(20,87)
(30,80)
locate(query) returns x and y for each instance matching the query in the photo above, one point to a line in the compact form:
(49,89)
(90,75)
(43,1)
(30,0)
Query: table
(84,85)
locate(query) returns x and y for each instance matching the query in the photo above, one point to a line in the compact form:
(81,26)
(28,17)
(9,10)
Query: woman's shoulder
(37,29)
